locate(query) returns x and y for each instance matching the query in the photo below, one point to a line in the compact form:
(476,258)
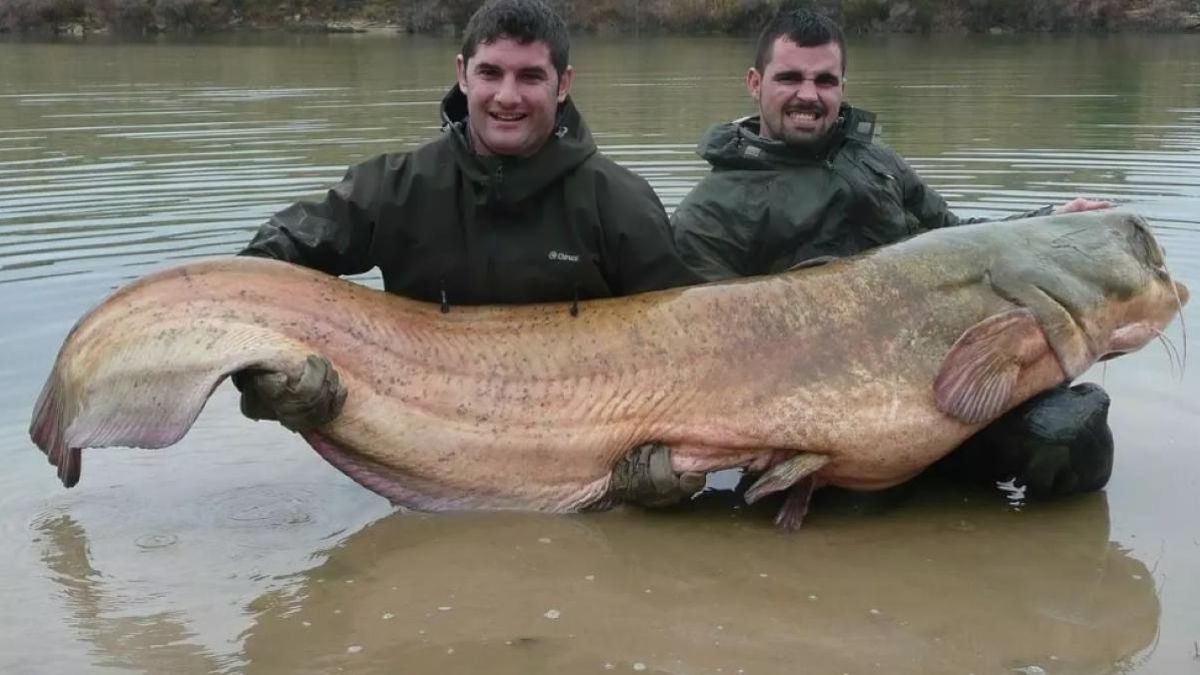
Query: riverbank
(142,17)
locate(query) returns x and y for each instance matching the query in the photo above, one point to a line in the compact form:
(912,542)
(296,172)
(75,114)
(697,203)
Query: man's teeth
(509,117)
(807,115)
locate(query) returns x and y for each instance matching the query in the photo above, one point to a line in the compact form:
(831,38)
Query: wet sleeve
(923,203)
(931,210)
(708,238)
(644,256)
(335,234)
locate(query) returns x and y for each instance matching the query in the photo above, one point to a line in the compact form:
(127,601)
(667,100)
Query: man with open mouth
(806,180)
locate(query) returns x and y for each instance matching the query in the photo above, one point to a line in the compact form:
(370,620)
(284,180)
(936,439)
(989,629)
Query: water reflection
(122,634)
(941,585)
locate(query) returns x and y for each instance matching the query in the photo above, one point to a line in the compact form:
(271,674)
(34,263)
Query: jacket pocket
(881,214)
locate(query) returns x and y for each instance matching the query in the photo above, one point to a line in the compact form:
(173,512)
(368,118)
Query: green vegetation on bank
(641,16)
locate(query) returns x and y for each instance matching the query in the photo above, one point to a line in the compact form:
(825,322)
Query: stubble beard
(799,140)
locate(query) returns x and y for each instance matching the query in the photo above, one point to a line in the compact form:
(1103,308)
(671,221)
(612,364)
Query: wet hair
(804,27)
(525,21)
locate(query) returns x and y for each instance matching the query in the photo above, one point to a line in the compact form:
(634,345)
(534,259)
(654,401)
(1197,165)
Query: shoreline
(78,29)
(144,18)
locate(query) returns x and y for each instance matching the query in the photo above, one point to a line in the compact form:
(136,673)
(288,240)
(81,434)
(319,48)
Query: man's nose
(806,90)
(507,93)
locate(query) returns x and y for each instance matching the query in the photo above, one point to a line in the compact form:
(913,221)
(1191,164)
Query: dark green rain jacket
(446,225)
(766,207)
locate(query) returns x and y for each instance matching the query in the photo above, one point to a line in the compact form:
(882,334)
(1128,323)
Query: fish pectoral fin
(786,474)
(980,372)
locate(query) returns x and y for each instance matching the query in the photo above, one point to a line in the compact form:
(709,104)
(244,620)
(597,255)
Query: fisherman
(511,204)
(806,180)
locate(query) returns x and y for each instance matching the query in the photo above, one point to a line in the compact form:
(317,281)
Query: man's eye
(827,80)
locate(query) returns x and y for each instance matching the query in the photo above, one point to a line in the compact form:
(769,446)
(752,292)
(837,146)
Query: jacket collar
(739,144)
(512,179)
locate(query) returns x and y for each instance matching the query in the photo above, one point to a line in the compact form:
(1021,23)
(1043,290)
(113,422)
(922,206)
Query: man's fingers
(269,385)
(254,408)
(645,476)
(308,399)
(1080,204)
(661,475)
(313,377)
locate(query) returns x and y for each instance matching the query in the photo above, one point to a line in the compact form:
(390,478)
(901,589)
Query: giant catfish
(859,373)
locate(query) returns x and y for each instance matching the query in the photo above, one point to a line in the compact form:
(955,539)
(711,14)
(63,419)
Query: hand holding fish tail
(299,401)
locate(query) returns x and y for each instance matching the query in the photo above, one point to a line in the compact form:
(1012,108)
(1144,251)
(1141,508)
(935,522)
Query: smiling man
(511,204)
(805,179)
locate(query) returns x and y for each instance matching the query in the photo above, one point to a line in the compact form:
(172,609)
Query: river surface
(239,550)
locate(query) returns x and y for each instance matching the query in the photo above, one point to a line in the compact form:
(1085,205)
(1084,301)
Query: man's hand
(645,477)
(1080,204)
(299,401)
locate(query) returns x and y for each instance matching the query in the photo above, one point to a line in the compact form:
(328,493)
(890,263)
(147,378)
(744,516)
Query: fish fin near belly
(795,505)
(797,476)
(980,373)
(785,474)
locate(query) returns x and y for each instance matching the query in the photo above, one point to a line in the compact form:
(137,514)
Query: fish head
(1109,274)
(1156,298)
(1086,287)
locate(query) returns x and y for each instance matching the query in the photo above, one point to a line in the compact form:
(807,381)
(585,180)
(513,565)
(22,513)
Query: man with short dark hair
(512,204)
(805,180)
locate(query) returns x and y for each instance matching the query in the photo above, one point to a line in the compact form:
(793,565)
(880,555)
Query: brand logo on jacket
(565,257)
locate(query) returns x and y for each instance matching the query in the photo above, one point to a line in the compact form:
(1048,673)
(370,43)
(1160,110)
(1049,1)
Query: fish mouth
(1133,336)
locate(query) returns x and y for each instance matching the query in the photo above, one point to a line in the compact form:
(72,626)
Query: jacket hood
(739,145)
(510,180)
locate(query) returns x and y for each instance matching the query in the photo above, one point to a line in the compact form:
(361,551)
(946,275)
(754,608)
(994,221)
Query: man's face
(799,91)
(513,94)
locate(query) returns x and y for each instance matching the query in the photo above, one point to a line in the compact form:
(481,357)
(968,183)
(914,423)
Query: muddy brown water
(239,550)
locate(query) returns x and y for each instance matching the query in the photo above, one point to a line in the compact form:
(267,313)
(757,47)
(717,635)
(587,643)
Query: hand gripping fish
(859,373)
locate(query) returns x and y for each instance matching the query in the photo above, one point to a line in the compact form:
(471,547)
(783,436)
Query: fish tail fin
(120,406)
(138,368)
(48,431)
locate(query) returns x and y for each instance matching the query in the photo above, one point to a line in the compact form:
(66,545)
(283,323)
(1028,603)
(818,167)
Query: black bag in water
(1055,444)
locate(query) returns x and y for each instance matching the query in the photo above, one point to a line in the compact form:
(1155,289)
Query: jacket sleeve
(922,202)
(707,237)
(333,235)
(642,253)
(931,210)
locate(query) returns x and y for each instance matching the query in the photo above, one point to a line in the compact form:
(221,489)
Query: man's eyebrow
(526,70)
(792,72)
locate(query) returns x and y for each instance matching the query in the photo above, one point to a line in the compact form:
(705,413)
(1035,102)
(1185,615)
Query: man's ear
(564,83)
(460,67)
(754,83)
